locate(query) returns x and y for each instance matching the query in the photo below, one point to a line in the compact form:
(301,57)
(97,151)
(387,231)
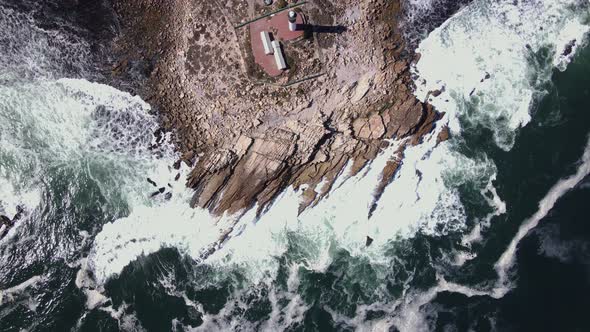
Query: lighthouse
(292,20)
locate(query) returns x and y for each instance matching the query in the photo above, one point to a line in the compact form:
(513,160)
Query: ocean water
(484,232)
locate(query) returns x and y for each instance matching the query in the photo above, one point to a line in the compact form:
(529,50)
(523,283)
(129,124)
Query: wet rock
(486,77)
(176,164)
(4,220)
(369,241)
(255,140)
(6,223)
(150,181)
(444,135)
(569,48)
(20,211)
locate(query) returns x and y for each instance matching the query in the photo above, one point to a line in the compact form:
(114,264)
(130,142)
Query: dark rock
(168,196)
(176,165)
(159,136)
(444,135)
(4,220)
(156,193)
(19,213)
(487,77)
(569,48)
(369,241)
(152,182)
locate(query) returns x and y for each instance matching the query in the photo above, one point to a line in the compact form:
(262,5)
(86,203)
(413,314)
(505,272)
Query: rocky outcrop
(250,136)
(6,223)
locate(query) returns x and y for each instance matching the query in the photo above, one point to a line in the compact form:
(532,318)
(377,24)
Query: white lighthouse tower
(292,20)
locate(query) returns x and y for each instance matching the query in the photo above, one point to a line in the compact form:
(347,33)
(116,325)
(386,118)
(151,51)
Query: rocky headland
(248,136)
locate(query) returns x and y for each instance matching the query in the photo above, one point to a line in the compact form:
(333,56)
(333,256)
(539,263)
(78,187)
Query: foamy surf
(488,63)
(33,52)
(293,265)
(506,260)
(420,198)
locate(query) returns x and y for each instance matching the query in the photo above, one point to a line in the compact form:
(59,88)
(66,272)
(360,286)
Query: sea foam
(488,61)
(506,260)
(341,219)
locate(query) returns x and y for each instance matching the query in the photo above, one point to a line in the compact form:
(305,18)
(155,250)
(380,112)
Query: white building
(265,36)
(292,20)
(279,58)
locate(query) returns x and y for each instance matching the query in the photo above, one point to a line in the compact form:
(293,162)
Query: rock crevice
(250,135)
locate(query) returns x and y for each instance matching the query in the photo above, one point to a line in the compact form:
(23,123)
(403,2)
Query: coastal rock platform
(247,135)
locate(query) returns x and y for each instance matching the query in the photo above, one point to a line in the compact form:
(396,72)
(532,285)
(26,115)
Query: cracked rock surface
(248,136)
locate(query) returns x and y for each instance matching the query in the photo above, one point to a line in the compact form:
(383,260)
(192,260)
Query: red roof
(278,26)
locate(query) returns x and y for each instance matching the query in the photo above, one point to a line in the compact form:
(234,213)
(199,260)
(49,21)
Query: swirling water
(455,247)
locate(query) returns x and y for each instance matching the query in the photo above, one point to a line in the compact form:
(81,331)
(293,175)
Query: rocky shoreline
(7,223)
(247,136)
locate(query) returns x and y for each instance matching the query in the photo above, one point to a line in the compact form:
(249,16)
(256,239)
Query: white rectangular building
(279,58)
(265,36)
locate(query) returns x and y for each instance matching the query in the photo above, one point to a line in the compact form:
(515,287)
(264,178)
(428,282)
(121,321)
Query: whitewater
(63,134)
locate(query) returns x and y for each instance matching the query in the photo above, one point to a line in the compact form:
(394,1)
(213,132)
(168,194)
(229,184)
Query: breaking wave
(420,17)
(33,52)
(489,64)
(62,138)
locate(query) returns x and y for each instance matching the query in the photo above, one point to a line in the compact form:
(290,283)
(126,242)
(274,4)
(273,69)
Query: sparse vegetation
(282,3)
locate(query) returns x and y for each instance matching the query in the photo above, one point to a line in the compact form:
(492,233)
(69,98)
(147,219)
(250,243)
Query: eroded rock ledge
(248,136)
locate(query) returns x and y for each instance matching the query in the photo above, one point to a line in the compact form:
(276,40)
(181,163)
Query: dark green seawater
(553,273)
(95,253)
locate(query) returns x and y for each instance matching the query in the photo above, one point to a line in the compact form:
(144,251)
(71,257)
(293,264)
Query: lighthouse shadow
(310,29)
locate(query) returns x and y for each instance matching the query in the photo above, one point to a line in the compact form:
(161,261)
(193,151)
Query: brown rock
(253,136)
(444,135)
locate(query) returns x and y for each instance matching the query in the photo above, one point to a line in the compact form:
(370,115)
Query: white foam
(150,228)
(501,39)
(422,16)
(8,294)
(69,128)
(340,220)
(11,198)
(506,261)
(411,312)
(53,123)
(31,52)
(288,308)
(84,130)
(475,235)
(126,320)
